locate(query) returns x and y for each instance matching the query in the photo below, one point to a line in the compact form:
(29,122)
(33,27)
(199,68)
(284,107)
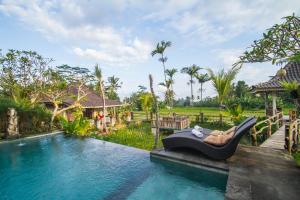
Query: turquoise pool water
(59,167)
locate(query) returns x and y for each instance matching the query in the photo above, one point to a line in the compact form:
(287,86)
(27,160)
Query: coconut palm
(202,78)
(169,94)
(99,78)
(160,49)
(222,82)
(192,71)
(170,73)
(114,85)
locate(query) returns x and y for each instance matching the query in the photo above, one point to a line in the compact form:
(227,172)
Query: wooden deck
(276,141)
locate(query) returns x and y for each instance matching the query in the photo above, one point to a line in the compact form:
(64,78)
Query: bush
(80,126)
(32,119)
(135,135)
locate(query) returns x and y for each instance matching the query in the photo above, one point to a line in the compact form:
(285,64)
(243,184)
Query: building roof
(274,85)
(92,99)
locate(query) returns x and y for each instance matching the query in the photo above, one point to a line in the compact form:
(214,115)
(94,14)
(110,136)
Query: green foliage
(236,112)
(222,82)
(32,119)
(135,135)
(80,126)
(290,86)
(279,44)
(111,89)
(192,71)
(241,89)
(297,157)
(146,102)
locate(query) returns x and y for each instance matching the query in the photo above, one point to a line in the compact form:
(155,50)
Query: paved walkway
(276,141)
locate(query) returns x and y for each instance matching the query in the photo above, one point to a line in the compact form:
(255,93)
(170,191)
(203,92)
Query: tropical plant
(146,103)
(99,78)
(279,44)
(290,86)
(192,71)
(160,49)
(202,78)
(114,85)
(222,82)
(236,112)
(241,89)
(80,126)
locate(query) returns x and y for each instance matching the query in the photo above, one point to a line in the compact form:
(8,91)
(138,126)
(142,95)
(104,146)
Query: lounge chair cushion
(219,138)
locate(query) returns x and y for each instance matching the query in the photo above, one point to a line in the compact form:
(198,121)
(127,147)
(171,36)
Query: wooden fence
(266,124)
(293,134)
(200,118)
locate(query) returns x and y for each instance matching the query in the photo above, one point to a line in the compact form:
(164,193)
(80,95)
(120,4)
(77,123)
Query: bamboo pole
(156,112)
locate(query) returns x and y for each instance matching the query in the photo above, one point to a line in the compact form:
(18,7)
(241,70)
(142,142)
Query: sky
(119,35)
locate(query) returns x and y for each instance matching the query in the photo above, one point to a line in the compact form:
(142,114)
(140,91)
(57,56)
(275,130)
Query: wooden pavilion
(289,73)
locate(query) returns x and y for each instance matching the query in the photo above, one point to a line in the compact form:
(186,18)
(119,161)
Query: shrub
(80,126)
(32,119)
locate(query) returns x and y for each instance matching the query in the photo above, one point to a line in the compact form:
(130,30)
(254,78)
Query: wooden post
(269,127)
(221,118)
(290,138)
(266,103)
(253,135)
(202,117)
(131,115)
(274,104)
(277,120)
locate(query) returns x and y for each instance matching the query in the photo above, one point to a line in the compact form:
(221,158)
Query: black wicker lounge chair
(185,139)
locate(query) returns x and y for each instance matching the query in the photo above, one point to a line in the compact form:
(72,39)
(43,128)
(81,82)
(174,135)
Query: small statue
(12,128)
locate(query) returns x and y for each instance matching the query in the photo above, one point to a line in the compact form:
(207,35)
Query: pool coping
(33,136)
(194,160)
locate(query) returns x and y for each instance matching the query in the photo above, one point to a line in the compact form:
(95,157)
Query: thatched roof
(92,99)
(274,85)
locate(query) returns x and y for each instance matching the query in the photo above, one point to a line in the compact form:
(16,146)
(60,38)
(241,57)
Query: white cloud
(55,20)
(213,22)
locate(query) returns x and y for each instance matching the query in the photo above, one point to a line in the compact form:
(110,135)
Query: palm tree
(170,73)
(114,85)
(160,49)
(146,103)
(99,78)
(222,82)
(192,71)
(169,94)
(202,78)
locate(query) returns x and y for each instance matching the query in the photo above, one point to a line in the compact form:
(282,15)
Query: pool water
(59,167)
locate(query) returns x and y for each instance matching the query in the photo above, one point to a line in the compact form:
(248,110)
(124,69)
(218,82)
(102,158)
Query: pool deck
(253,172)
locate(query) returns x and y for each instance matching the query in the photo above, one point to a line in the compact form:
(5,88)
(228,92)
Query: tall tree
(241,89)
(192,71)
(202,78)
(99,77)
(160,49)
(222,82)
(156,112)
(59,86)
(279,44)
(113,85)
(22,75)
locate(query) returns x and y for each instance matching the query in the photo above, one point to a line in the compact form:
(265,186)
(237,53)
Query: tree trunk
(201,91)
(156,113)
(191,101)
(103,104)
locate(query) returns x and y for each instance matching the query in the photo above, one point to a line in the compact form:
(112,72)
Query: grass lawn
(134,135)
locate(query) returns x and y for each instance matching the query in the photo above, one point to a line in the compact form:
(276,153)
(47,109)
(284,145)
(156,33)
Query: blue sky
(120,34)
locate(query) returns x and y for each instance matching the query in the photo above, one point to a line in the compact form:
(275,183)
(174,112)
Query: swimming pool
(59,167)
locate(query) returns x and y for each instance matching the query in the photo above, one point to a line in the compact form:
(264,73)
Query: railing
(266,125)
(293,134)
(176,123)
